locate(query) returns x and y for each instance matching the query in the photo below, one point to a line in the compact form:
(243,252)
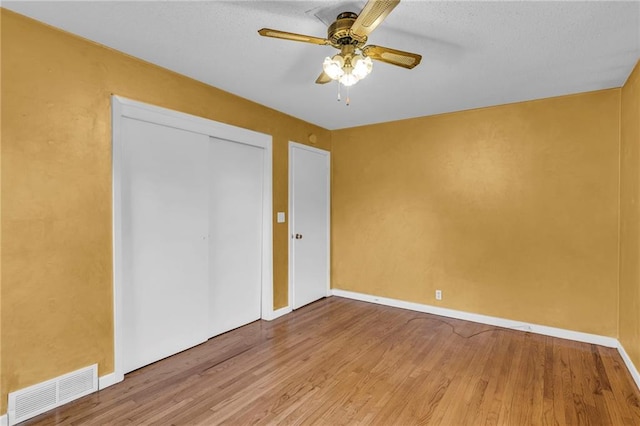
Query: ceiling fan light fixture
(333,67)
(347,70)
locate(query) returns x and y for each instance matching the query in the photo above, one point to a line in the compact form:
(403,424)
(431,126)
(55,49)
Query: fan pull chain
(348,100)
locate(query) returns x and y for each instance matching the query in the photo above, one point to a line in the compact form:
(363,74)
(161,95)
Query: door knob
(298,236)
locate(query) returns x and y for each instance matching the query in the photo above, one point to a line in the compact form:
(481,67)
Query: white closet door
(165,226)
(235,245)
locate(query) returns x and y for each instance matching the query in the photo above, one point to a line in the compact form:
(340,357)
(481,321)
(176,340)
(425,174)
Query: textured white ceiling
(475,54)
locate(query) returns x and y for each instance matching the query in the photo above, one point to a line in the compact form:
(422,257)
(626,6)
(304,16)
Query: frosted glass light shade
(362,66)
(333,67)
(348,78)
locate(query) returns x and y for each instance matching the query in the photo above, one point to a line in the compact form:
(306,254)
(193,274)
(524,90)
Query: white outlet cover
(280,217)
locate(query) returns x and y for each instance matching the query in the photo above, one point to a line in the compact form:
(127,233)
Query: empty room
(320,212)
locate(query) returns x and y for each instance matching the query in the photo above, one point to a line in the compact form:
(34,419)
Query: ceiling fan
(349,34)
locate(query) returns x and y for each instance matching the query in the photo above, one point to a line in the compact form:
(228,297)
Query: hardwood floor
(340,361)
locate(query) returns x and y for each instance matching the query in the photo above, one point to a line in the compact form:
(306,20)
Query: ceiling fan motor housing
(339,33)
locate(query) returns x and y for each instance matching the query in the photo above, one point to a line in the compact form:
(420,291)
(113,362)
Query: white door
(235,234)
(164,241)
(309,223)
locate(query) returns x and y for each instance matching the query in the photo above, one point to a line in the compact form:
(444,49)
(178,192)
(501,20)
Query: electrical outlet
(438,294)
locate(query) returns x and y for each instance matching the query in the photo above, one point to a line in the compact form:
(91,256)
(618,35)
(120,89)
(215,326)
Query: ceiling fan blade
(392,56)
(268,32)
(373,13)
(323,78)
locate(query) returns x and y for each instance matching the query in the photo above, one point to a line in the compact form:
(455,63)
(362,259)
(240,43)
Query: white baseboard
(107,380)
(3,420)
(630,366)
(483,319)
(278,313)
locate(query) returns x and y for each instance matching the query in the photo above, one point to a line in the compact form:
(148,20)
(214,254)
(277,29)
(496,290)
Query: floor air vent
(37,399)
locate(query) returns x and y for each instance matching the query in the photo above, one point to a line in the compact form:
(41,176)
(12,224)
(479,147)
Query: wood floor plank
(339,361)
(623,399)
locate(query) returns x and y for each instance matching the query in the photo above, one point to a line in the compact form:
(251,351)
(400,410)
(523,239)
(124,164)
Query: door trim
(127,108)
(327,154)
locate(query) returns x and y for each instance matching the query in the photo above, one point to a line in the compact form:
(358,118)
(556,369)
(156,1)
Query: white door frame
(126,108)
(327,154)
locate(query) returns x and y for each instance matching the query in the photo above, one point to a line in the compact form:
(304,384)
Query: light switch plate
(280,217)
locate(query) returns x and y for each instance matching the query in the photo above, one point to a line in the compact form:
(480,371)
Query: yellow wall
(512,211)
(629,323)
(56,194)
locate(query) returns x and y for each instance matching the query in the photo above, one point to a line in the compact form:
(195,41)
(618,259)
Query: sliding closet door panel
(235,245)
(165,247)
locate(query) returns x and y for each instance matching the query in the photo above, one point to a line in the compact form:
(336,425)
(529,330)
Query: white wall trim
(3,420)
(121,108)
(267,227)
(630,366)
(168,117)
(107,380)
(278,313)
(326,153)
(117,106)
(483,319)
